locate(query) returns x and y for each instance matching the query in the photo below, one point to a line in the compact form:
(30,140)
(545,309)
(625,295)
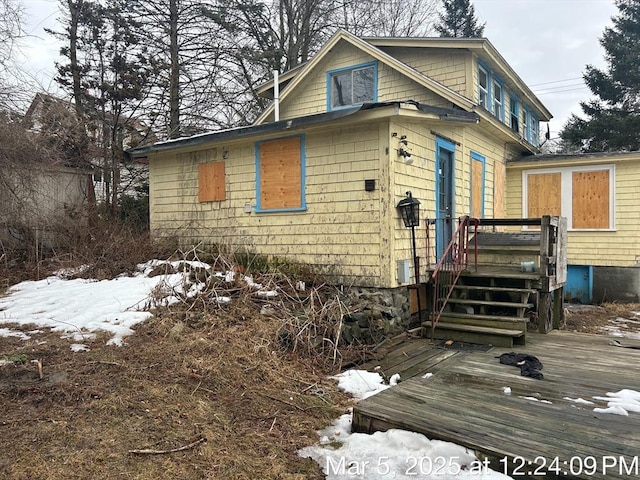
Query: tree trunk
(174,80)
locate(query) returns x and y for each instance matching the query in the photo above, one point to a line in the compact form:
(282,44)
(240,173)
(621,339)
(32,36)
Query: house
(57,117)
(318,176)
(598,194)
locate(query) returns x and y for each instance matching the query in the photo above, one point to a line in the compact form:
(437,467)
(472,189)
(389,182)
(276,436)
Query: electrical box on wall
(403,271)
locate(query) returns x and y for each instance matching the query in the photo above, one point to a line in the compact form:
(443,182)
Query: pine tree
(459,20)
(613,119)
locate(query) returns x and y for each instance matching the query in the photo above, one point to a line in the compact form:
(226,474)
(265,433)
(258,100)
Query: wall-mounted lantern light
(409,210)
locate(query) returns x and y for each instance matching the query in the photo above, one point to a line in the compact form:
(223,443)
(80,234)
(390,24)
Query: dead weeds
(219,375)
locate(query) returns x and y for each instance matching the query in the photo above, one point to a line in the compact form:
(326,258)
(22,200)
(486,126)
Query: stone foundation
(376,314)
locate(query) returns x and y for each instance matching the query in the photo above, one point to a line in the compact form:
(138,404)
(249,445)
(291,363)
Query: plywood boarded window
(544,194)
(477,185)
(280,174)
(590,199)
(211,182)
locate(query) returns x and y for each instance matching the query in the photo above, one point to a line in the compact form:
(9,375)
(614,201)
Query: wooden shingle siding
(280,174)
(618,244)
(590,199)
(340,232)
(392,86)
(543,194)
(444,66)
(211,182)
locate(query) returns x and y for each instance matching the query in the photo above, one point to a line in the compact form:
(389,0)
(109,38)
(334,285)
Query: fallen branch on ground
(150,451)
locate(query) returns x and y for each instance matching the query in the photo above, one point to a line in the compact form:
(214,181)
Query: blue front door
(445,158)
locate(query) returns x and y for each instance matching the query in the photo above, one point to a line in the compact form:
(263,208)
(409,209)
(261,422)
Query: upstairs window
(352,86)
(514,109)
(498,99)
(530,127)
(483,87)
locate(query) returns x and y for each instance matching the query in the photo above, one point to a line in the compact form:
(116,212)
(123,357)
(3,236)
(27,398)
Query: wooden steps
(500,337)
(493,321)
(485,307)
(489,303)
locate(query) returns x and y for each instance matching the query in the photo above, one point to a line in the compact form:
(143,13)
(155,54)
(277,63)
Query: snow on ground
(79,308)
(395,453)
(620,403)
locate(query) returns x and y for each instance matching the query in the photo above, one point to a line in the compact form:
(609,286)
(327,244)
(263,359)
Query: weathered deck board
(464,402)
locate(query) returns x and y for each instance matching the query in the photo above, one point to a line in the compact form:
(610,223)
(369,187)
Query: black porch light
(409,210)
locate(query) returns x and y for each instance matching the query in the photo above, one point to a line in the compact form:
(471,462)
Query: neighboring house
(598,193)
(360,124)
(57,116)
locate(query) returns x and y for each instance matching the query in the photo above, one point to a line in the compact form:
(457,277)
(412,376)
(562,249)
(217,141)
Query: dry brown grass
(186,374)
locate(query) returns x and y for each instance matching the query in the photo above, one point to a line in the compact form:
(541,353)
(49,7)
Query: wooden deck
(464,402)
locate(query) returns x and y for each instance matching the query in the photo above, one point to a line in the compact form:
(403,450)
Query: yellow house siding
(449,67)
(620,247)
(314,86)
(419,177)
(339,233)
(392,85)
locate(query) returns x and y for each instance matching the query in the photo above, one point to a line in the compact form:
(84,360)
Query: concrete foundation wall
(620,284)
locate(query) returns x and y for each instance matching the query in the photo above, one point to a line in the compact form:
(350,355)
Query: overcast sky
(543,40)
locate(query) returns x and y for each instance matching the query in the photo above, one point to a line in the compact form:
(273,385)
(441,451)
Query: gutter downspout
(276,96)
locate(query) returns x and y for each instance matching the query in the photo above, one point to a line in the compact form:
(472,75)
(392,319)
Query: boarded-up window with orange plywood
(477,185)
(544,194)
(499,182)
(590,201)
(211,182)
(280,174)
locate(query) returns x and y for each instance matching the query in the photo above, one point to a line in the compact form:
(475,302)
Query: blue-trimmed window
(483,86)
(514,114)
(478,166)
(352,86)
(280,175)
(530,126)
(497,107)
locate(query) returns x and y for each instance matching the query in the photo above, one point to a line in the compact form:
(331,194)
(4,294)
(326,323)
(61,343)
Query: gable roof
(342,35)
(374,46)
(482,47)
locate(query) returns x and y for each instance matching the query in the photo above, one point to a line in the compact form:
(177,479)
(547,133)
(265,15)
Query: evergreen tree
(613,119)
(459,20)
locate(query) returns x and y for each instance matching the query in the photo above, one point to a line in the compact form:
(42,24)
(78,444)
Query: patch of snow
(617,410)
(79,347)
(7,332)
(538,400)
(394,380)
(267,293)
(360,383)
(578,400)
(625,400)
(427,375)
(398,454)
(506,390)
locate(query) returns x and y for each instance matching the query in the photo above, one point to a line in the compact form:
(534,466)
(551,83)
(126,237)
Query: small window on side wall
(514,109)
(483,87)
(352,86)
(211,186)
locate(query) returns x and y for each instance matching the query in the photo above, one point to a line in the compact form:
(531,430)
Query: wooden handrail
(452,263)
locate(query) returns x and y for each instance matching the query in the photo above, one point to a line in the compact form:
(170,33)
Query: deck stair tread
(468,301)
(485,288)
(479,316)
